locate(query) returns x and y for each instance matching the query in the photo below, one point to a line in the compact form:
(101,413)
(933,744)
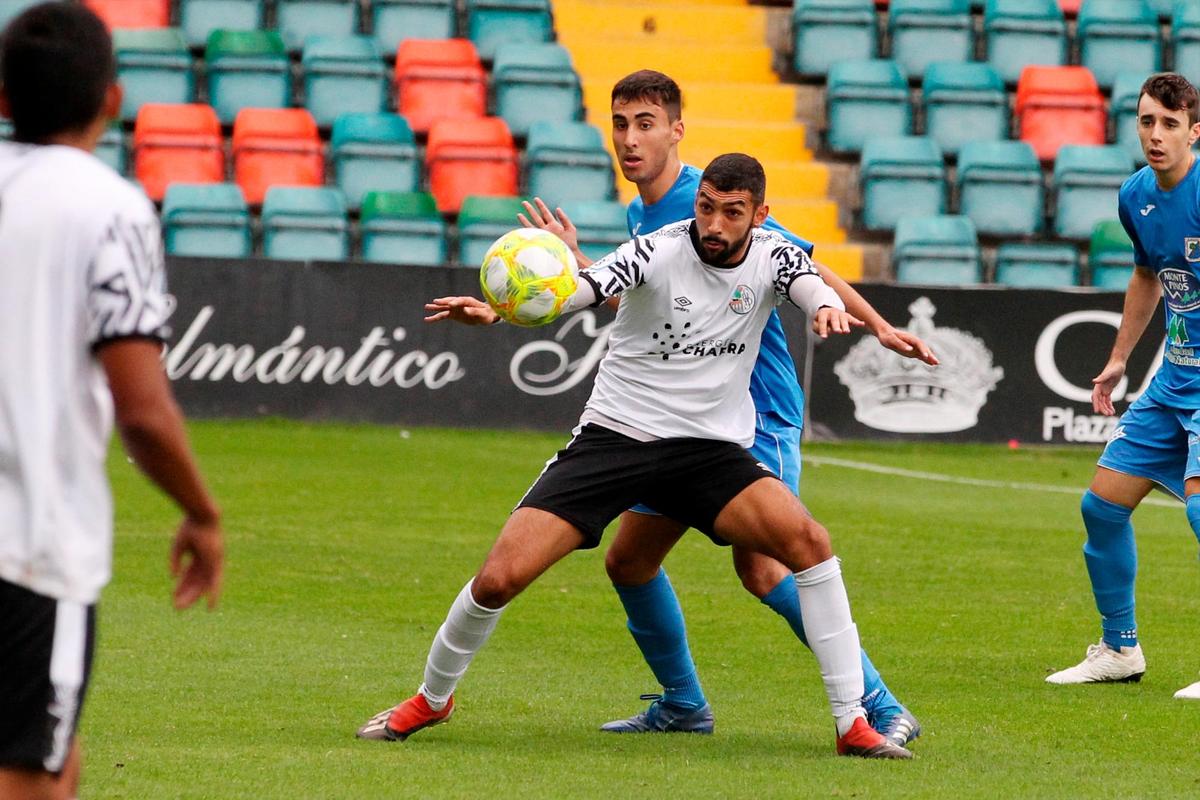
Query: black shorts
(46,650)
(601,473)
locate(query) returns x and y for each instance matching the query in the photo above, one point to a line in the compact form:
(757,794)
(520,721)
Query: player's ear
(1194,134)
(677,131)
(760,215)
(112,101)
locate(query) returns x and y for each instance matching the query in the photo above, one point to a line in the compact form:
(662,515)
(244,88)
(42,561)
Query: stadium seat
(482,221)
(110,149)
(924,31)
(246,69)
(393,21)
(470,157)
(1185,40)
(342,75)
(11,8)
(1116,36)
(209,220)
(534,82)
(176,143)
(132,13)
(901,177)
(1086,181)
(1022,32)
(964,103)
(403,228)
(1110,255)
(1036,265)
(866,99)
(153,66)
(491,23)
(199,18)
(939,250)
(566,162)
(275,147)
(439,80)
(1070,7)
(297,20)
(1057,106)
(1163,8)
(1123,112)
(306,223)
(828,31)
(601,224)
(373,152)
(1000,188)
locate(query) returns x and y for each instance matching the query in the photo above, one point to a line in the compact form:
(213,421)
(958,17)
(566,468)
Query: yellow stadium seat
(844,259)
(685,63)
(813,219)
(662,23)
(766,141)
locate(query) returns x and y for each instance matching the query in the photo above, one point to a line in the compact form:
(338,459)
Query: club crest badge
(742,300)
(1191,249)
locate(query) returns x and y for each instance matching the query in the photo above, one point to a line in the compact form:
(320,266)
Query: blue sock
(1111,557)
(656,622)
(1193,513)
(785,602)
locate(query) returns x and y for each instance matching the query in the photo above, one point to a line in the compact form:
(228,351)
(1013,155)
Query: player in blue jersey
(1157,440)
(647,128)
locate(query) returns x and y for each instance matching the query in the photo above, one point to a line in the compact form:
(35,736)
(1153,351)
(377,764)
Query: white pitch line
(866,466)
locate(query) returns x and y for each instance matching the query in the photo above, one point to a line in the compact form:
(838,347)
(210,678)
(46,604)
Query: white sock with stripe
(833,638)
(465,631)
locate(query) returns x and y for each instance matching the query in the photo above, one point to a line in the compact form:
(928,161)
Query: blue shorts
(777,446)
(1156,442)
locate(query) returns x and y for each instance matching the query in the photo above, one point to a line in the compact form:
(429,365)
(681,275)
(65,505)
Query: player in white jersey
(667,424)
(83,306)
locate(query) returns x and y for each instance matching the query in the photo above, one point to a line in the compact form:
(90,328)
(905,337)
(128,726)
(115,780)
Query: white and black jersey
(81,264)
(686,336)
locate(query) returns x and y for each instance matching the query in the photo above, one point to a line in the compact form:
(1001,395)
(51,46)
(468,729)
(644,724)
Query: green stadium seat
(828,31)
(1000,188)
(199,18)
(1086,181)
(866,99)
(1118,36)
(297,20)
(534,82)
(110,149)
(1122,111)
(153,66)
(924,31)
(1023,32)
(941,251)
(209,219)
(305,223)
(601,224)
(374,152)
(901,177)
(1185,40)
(566,162)
(964,103)
(491,23)
(1036,265)
(1110,255)
(343,75)
(246,69)
(481,221)
(393,21)
(403,228)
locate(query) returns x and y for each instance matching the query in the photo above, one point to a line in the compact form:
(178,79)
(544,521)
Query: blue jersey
(773,384)
(1165,229)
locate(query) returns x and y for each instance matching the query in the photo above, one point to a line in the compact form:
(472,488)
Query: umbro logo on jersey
(682,303)
(1146,211)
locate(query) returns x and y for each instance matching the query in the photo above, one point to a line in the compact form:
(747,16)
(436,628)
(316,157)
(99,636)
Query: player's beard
(722,257)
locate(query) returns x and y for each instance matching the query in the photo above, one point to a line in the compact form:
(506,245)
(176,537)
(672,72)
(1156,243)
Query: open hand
(467,310)
(1103,386)
(908,345)
(833,320)
(557,223)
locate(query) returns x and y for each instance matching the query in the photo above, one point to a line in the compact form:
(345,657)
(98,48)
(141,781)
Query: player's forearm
(156,441)
(810,293)
(1141,300)
(855,303)
(585,296)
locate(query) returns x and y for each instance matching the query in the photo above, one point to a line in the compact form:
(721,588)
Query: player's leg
(655,619)
(1192,494)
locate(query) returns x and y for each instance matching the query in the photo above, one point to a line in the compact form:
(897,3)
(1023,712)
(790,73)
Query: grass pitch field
(347,544)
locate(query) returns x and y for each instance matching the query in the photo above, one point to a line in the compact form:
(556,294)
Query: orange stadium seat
(470,156)
(1070,7)
(439,79)
(132,13)
(275,147)
(176,144)
(1057,106)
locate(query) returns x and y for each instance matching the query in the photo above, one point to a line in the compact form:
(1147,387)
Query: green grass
(347,544)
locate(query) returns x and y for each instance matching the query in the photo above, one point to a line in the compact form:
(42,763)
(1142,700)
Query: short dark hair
(1175,92)
(737,172)
(651,87)
(56,64)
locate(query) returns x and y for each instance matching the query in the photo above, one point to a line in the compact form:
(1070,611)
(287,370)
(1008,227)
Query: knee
(759,575)
(1097,511)
(625,569)
(495,586)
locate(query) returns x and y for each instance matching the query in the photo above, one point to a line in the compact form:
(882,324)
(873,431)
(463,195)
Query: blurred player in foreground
(83,304)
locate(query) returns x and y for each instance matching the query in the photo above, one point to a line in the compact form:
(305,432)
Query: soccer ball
(527,276)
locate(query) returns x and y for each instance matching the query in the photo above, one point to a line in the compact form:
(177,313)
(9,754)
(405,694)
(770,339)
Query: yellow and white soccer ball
(527,276)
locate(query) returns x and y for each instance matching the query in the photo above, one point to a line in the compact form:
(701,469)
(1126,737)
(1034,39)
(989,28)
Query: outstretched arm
(557,223)
(900,341)
(1141,298)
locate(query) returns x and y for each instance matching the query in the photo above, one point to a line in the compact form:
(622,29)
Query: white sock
(833,638)
(465,631)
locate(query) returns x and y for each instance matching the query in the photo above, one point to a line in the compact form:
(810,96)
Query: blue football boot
(663,718)
(897,724)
